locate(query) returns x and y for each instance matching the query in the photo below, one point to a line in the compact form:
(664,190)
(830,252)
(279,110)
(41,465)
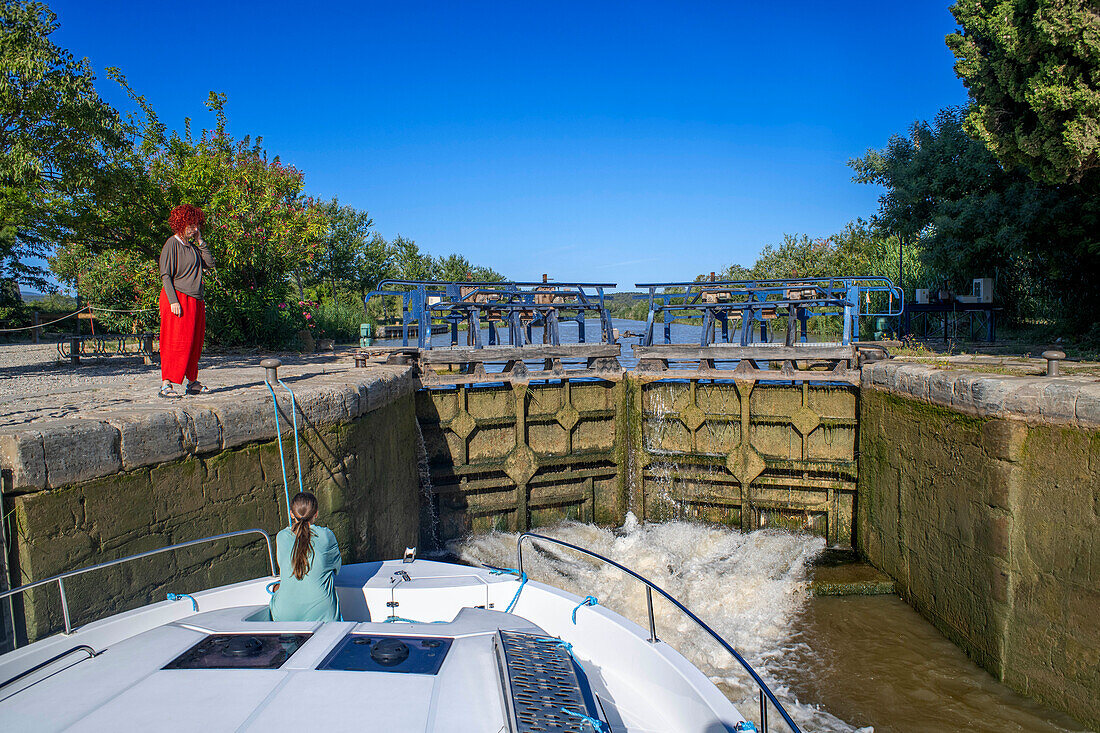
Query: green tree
(1032,68)
(969,217)
(344,243)
(57,137)
(409,263)
(260,228)
(454,268)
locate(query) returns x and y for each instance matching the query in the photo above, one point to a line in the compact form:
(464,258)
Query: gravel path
(34,385)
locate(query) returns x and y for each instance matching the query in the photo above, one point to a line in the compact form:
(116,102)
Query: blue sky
(618,142)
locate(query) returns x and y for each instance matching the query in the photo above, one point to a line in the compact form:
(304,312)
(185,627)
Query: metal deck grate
(539,680)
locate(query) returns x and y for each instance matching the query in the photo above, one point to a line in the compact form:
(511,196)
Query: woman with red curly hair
(182,311)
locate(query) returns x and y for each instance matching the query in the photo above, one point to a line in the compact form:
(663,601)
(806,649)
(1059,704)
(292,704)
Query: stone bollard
(271,370)
(361,360)
(1053,357)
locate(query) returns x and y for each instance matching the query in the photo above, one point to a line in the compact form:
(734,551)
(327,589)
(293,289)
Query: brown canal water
(859,663)
(874,661)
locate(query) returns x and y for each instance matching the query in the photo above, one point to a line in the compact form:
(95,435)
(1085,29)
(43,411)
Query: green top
(313,598)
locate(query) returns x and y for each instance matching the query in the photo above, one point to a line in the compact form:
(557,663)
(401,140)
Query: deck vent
(539,678)
(239,651)
(404,654)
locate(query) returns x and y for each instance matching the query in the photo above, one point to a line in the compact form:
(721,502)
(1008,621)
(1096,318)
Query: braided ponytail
(303,508)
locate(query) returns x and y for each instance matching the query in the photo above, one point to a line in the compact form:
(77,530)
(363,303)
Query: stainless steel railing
(60,579)
(42,665)
(765,691)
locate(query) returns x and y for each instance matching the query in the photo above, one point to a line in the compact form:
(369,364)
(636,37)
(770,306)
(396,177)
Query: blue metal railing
(516,305)
(751,301)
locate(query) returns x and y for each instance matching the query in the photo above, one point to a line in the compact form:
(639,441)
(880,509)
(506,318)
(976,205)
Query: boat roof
(130,684)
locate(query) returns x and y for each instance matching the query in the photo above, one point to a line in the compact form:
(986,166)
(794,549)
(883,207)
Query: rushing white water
(748,587)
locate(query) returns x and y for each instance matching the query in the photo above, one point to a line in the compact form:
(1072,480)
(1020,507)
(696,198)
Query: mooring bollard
(1053,357)
(361,360)
(271,370)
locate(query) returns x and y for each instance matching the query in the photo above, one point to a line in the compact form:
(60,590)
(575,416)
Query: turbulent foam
(748,587)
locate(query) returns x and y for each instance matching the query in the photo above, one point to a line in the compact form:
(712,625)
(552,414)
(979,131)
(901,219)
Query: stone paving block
(989,394)
(201,431)
(147,437)
(1087,407)
(79,450)
(1058,400)
(941,387)
(22,453)
(249,421)
(323,406)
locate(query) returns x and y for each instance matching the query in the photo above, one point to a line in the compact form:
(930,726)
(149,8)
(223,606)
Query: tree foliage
(56,136)
(260,228)
(860,249)
(1033,71)
(969,217)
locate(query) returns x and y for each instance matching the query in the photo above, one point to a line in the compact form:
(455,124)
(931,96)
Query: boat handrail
(650,586)
(60,578)
(42,665)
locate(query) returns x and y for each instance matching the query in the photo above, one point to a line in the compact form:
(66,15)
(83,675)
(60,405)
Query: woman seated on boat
(309,559)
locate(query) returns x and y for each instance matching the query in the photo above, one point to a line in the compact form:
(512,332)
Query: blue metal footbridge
(759,325)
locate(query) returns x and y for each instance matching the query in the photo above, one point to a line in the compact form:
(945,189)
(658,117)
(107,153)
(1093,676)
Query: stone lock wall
(980,496)
(358,456)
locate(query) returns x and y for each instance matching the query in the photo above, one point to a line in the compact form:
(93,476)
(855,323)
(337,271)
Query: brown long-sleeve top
(181,266)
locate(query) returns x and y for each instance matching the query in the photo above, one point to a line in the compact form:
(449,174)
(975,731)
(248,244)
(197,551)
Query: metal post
(74,350)
(1053,357)
(763,713)
(65,606)
(652,625)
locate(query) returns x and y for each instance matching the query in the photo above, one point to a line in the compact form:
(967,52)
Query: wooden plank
(519,353)
(734,352)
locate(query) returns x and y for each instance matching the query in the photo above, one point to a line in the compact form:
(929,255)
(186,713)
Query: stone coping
(1070,400)
(132,433)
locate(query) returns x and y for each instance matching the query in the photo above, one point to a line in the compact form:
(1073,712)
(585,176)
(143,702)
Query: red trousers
(181,338)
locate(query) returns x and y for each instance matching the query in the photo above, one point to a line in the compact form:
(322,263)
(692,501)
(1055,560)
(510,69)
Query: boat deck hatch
(370,653)
(239,651)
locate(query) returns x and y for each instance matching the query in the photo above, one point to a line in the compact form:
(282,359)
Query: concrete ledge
(49,454)
(1059,400)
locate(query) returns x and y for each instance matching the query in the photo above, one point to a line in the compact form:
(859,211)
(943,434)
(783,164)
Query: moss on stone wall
(364,474)
(991,529)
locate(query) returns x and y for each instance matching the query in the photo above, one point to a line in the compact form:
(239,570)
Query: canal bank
(980,496)
(113,480)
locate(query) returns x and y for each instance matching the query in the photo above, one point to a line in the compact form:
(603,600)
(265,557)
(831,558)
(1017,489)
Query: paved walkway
(35,387)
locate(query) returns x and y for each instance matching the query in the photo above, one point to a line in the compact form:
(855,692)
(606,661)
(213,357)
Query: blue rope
(597,725)
(510,571)
(282,461)
(181,596)
(745,725)
(294,416)
(588,601)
